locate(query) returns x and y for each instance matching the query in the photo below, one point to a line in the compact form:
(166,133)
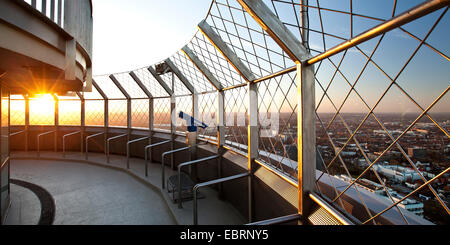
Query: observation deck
(317,113)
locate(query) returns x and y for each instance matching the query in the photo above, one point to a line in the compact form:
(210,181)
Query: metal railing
(212,182)
(87,143)
(128,148)
(163,174)
(147,158)
(189,164)
(38,141)
(278,220)
(108,142)
(70,134)
(17,133)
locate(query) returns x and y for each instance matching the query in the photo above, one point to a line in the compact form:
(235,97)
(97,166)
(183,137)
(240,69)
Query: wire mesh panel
(247,39)
(182,104)
(277,98)
(17,110)
(95,113)
(42,110)
(191,73)
(117,113)
(236,119)
(69,111)
(176,85)
(150,83)
(161,114)
(207,112)
(130,86)
(214,61)
(376,132)
(109,88)
(140,113)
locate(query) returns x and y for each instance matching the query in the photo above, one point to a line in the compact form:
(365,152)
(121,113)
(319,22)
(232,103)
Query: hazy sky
(129,34)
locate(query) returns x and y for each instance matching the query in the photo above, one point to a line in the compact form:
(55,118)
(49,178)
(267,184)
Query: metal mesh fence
(277,98)
(17,111)
(42,110)
(184,104)
(207,110)
(117,113)
(69,112)
(140,113)
(161,114)
(236,118)
(95,113)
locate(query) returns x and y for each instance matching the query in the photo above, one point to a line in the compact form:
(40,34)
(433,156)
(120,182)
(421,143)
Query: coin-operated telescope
(191,137)
(191,122)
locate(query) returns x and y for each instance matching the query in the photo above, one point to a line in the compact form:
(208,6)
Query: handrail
(38,138)
(128,148)
(278,220)
(331,210)
(163,165)
(188,164)
(212,182)
(87,142)
(107,144)
(64,142)
(7,158)
(17,133)
(146,148)
(277,173)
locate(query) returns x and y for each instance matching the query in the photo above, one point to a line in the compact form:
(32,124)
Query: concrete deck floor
(94,192)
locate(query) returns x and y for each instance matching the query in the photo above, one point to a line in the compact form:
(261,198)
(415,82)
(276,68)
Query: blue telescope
(191,122)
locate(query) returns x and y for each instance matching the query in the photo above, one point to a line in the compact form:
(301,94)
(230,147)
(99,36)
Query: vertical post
(83,121)
(220,134)
(150,108)
(253,143)
(27,120)
(106,122)
(129,110)
(150,125)
(52,10)
(59,17)
(56,122)
(305,23)
(44,7)
(193,136)
(33,3)
(306,136)
(172,121)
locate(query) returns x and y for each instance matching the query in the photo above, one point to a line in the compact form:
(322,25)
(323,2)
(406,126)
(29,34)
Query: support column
(27,120)
(220,135)
(172,120)
(83,120)
(150,108)
(128,97)
(306,101)
(253,144)
(306,139)
(56,121)
(105,113)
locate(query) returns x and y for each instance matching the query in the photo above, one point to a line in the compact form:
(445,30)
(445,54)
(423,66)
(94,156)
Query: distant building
(409,204)
(397,173)
(417,152)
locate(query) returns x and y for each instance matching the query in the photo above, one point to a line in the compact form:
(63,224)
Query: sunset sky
(137,33)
